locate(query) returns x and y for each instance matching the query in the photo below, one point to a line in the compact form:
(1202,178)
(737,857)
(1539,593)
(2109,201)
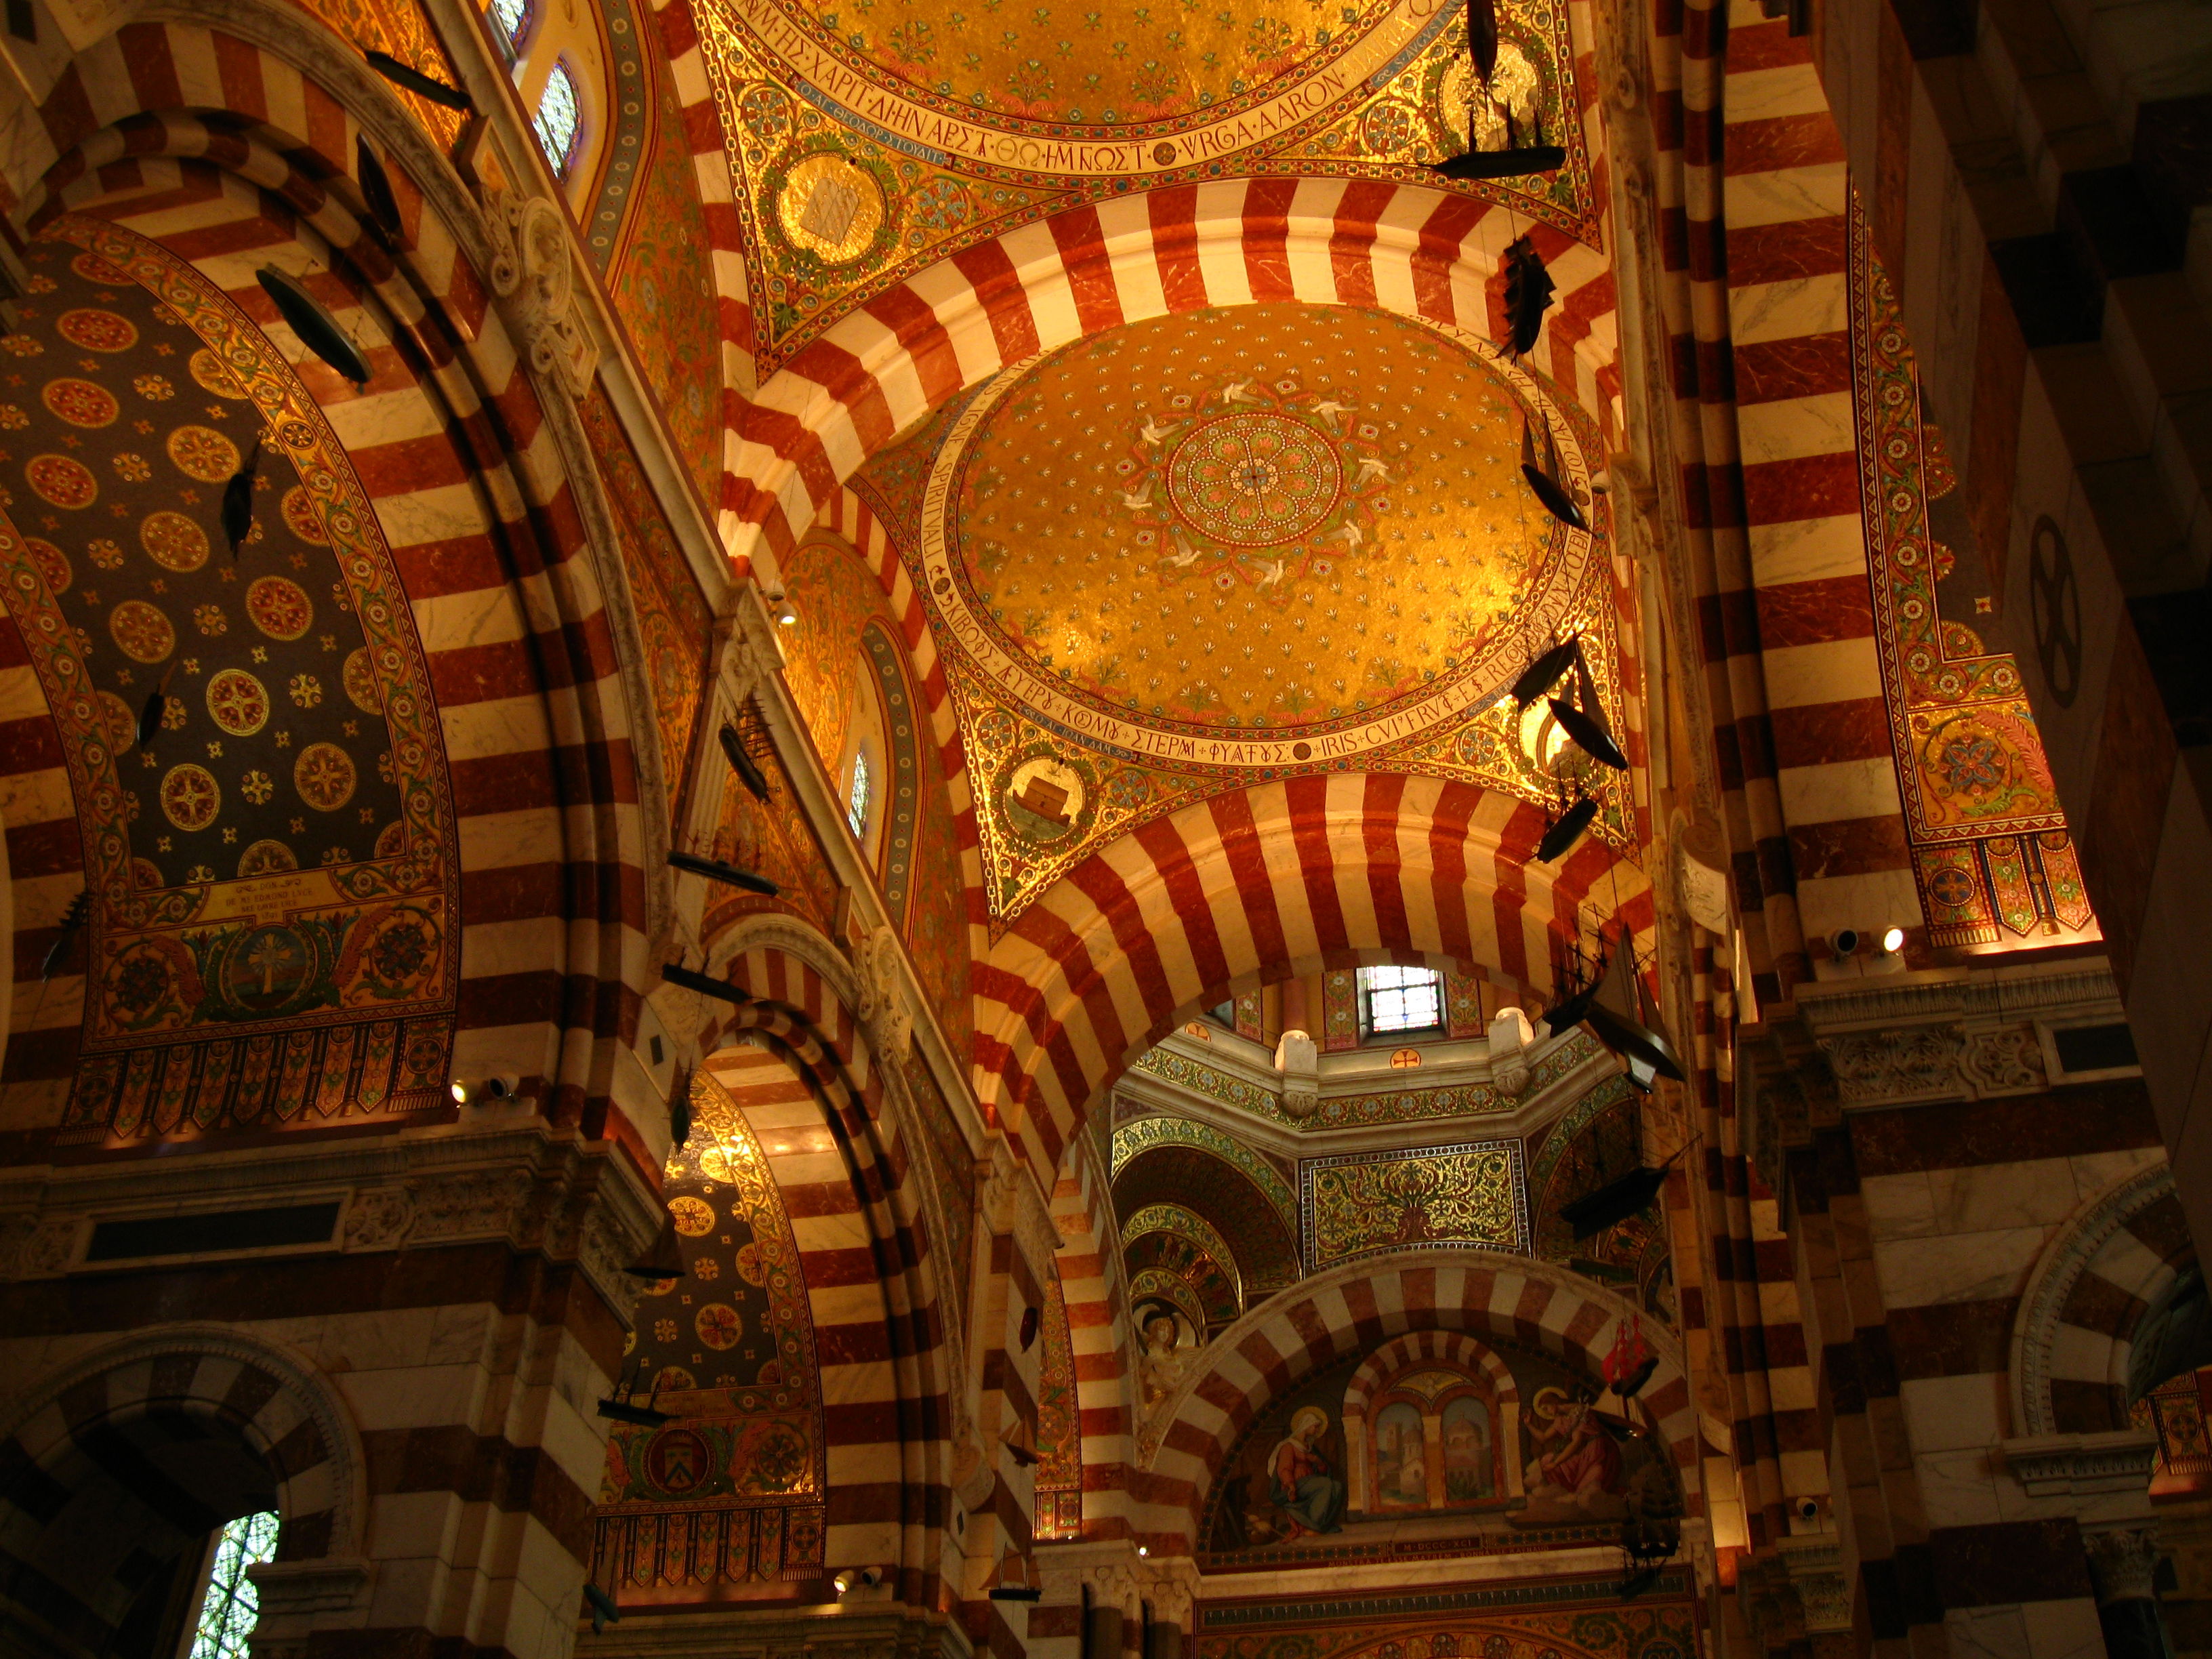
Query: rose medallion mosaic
(1208,540)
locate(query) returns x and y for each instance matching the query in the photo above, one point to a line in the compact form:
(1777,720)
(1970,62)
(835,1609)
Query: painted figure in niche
(1577,1470)
(1401,1474)
(1467,1472)
(1161,1368)
(1300,1479)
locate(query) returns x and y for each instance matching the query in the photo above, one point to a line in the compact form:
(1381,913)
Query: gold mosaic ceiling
(1204,551)
(1281,520)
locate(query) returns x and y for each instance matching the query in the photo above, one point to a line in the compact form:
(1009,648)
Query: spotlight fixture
(375,188)
(729,874)
(1541,675)
(317,330)
(854,1578)
(786,615)
(238,498)
(460,1090)
(66,930)
(1561,836)
(705,984)
(422,85)
(1892,941)
(604,1610)
(1845,942)
(1528,290)
(1544,480)
(1142,1550)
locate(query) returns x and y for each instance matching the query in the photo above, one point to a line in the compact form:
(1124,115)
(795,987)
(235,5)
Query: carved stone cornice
(525,1184)
(870,1629)
(2082,1464)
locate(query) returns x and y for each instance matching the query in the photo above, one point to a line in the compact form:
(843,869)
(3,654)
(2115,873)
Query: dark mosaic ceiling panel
(120,431)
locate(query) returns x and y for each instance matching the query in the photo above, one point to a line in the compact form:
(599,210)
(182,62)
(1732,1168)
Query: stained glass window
(856,799)
(560,119)
(232,1606)
(1401,999)
(512,19)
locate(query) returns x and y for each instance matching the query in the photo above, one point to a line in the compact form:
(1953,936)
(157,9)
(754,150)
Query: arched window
(560,122)
(511,21)
(231,1606)
(857,798)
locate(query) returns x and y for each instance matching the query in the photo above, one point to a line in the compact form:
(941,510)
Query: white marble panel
(1978,1198)
(1806,676)
(1953,1413)
(1762,312)
(1790,429)
(1899,1206)
(1957,1266)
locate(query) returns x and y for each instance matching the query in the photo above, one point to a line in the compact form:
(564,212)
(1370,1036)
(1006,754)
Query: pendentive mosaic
(277,862)
(867,146)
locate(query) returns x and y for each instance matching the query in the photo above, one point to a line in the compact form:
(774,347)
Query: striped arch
(1336,1313)
(2074,1335)
(119,1435)
(481,488)
(1400,247)
(1290,875)
(852,1185)
(1451,1347)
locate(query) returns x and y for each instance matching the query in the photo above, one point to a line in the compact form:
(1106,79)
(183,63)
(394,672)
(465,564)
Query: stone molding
(527,1185)
(2082,1464)
(871,1630)
(2043,1305)
(299,1598)
(1910,1038)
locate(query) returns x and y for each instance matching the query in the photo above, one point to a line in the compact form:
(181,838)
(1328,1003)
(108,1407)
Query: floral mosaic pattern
(1364,1202)
(1990,849)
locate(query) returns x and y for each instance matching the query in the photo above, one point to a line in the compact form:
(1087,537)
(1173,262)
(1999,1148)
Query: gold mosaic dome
(1233,525)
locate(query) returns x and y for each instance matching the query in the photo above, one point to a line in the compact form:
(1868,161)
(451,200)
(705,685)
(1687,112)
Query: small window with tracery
(511,21)
(231,1606)
(857,798)
(560,122)
(1398,1000)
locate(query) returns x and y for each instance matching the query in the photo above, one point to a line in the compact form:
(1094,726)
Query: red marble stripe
(1776,142)
(1854,729)
(1808,487)
(1806,366)
(1266,238)
(1785,253)
(1849,846)
(1174,216)
(1089,269)
(1816,612)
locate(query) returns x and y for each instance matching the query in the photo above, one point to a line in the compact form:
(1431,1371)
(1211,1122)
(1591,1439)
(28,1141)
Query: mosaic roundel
(1255,480)
(238,701)
(80,403)
(1217,539)
(173,540)
(279,608)
(96,330)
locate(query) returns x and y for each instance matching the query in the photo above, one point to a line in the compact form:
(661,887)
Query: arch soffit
(821,418)
(138,1381)
(1333,1314)
(1292,873)
(2091,1241)
(1229,1203)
